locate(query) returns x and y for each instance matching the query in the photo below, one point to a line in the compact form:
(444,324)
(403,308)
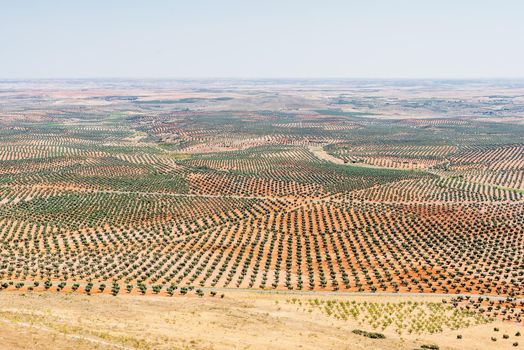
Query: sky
(262,39)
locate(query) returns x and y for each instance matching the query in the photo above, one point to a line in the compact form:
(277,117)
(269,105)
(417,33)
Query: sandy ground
(238,321)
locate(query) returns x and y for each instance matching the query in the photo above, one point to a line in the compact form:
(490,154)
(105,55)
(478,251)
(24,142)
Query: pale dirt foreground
(241,320)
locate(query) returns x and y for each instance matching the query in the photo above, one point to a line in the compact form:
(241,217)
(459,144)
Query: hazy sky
(265,38)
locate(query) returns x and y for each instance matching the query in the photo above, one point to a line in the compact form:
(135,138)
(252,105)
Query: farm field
(240,320)
(162,192)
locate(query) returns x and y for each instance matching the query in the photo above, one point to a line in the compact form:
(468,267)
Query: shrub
(372,335)
(430,347)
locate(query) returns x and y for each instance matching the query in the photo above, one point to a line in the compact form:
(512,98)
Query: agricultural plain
(152,191)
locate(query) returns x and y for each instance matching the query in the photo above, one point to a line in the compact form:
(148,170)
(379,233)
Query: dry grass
(241,320)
